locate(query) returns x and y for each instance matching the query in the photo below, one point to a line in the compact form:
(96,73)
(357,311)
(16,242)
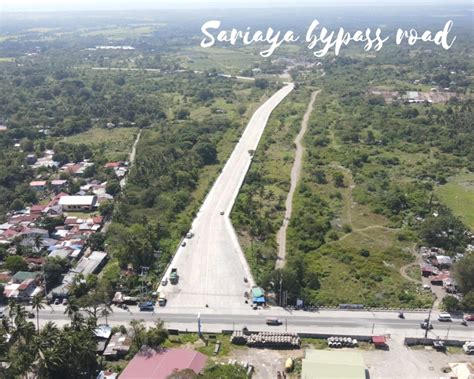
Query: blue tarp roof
(259,299)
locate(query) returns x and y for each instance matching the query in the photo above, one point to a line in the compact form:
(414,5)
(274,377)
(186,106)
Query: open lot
(113,143)
(458,194)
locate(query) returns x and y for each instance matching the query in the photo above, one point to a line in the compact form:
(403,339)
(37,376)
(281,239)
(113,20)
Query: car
(444,317)
(164,282)
(273,321)
(57,301)
(426,325)
(65,302)
(148,306)
(469,317)
(190,235)
(183,244)
(222,213)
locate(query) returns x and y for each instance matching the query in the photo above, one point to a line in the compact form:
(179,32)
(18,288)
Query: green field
(232,61)
(458,194)
(115,144)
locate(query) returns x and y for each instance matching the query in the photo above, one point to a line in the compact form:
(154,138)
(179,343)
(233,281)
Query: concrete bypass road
(330,322)
(211,266)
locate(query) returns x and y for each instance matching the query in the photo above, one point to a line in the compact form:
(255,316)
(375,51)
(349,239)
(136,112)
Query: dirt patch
(267,362)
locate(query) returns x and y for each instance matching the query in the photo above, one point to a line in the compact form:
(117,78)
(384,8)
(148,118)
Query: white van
(444,317)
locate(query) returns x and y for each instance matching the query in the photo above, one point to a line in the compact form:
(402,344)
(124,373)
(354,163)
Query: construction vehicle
(174,276)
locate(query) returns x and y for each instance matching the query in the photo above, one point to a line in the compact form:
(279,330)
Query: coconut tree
(38,303)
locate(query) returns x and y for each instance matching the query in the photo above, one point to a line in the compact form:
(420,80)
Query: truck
(174,276)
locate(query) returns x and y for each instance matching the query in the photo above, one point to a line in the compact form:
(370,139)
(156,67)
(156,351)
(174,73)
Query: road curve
(295,175)
(212,265)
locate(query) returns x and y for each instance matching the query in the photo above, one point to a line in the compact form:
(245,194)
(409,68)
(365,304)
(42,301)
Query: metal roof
(148,363)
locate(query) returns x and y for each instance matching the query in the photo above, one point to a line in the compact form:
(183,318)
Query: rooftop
(77,200)
(148,363)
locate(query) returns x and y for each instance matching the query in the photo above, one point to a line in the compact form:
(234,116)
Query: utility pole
(428,324)
(280,299)
(144,272)
(199,324)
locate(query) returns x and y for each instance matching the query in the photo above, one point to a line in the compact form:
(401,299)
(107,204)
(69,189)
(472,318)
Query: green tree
(53,269)
(338,179)
(450,303)
(15,263)
(463,271)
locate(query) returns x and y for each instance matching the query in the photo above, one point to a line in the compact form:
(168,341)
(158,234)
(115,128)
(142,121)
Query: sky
(64,5)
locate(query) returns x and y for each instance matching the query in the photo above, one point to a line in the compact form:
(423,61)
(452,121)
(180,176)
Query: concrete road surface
(211,266)
(325,321)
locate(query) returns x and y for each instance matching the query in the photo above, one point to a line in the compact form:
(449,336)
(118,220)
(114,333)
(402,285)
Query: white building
(78,203)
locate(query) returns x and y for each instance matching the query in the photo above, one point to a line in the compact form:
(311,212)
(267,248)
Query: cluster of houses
(437,267)
(74,221)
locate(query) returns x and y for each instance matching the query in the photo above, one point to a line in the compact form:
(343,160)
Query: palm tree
(106,311)
(38,242)
(38,303)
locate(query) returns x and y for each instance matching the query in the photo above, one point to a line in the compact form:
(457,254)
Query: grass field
(458,194)
(232,61)
(114,144)
(122,32)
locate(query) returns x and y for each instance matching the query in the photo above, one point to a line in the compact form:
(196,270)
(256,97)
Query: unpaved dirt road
(295,175)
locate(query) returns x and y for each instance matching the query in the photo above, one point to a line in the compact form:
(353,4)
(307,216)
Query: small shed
(379,341)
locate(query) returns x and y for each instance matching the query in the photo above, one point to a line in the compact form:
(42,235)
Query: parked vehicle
(468,347)
(65,302)
(57,301)
(221,213)
(147,306)
(183,244)
(273,321)
(190,235)
(469,317)
(162,300)
(174,276)
(444,317)
(164,282)
(31,315)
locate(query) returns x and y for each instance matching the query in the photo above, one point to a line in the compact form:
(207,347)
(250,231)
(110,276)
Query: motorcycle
(401,315)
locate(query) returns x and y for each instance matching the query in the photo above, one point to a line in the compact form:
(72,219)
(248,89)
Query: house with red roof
(152,364)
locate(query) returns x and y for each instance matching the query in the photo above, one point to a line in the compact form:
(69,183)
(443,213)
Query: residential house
(118,346)
(38,185)
(77,203)
(149,363)
(58,184)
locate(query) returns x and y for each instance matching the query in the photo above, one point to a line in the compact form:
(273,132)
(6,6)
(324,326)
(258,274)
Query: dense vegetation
(368,193)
